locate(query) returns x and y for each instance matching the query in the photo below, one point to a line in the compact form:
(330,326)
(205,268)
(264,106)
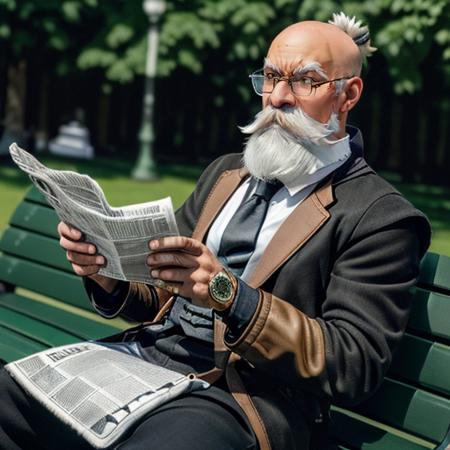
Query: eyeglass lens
(263,85)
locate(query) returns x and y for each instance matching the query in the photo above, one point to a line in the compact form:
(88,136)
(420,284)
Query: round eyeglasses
(301,85)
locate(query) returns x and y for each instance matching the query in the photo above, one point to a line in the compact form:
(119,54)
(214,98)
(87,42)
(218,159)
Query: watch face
(221,288)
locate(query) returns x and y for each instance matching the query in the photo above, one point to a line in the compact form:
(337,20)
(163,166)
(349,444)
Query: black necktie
(239,237)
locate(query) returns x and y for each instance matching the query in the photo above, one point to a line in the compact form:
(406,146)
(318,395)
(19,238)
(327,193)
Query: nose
(281,95)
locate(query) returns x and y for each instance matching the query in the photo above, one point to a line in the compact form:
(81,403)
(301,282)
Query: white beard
(287,143)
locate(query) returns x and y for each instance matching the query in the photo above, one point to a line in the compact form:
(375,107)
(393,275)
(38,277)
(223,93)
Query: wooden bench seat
(411,410)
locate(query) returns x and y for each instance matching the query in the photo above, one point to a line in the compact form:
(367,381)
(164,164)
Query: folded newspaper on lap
(96,390)
(120,234)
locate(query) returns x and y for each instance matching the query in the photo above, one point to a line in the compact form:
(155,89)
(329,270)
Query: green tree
(211,45)
(44,32)
(405,31)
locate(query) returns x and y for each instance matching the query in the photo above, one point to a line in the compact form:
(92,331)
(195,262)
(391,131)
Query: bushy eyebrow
(312,66)
(270,65)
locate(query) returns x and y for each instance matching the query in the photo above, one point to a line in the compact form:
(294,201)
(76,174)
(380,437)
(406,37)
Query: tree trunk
(14,121)
(394,148)
(375,150)
(442,158)
(42,132)
(103,119)
(423,154)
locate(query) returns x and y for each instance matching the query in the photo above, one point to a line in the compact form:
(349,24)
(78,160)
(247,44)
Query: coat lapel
(224,188)
(295,231)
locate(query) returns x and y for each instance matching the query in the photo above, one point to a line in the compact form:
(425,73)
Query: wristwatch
(222,289)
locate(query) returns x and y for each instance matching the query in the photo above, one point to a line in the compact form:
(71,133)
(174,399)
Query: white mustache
(296,122)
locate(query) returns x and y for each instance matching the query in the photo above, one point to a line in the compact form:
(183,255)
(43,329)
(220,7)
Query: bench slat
(423,362)
(34,195)
(79,326)
(37,248)
(358,434)
(430,313)
(407,408)
(15,346)
(44,280)
(34,329)
(36,217)
(435,270)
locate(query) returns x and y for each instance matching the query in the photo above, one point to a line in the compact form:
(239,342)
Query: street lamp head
(154,9)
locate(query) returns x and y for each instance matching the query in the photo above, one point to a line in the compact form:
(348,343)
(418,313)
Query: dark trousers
(205,420)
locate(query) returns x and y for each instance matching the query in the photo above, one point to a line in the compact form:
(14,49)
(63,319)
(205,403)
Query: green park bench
(44,305)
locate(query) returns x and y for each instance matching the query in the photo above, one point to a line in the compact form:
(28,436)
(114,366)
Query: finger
(176,258)
(79,247)
(69,232)
(82,259)
(173,288)
(172,275)
(183,243)
(84,271)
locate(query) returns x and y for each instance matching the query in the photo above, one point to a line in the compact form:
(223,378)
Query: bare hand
(185,265)
(83,256)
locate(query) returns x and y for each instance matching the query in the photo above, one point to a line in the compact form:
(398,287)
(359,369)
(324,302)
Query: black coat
(333,286)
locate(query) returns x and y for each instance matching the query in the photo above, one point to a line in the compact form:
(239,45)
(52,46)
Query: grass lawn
(113,177)
(178,182)
(435,203)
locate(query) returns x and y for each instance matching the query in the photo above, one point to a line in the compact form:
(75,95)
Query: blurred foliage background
(57,56)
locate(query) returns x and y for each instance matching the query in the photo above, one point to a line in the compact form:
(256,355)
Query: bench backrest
(415,396)
(32,257)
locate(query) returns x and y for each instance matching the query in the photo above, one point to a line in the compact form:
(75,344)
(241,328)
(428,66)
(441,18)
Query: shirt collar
(329,158)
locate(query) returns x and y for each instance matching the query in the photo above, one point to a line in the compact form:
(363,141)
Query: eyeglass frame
(277,79)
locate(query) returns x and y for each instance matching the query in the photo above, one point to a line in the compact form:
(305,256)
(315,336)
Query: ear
(352,93)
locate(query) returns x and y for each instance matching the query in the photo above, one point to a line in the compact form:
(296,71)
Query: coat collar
(303,223)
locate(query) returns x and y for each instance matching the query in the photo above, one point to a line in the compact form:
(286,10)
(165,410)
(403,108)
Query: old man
(288,287)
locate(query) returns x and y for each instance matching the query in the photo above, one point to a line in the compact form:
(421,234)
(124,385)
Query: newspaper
(98,391)
(120,234)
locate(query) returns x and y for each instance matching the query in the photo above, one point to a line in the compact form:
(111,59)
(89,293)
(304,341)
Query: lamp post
(145,168)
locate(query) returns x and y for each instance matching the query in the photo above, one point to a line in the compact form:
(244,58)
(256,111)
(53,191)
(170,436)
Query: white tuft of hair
(354,28)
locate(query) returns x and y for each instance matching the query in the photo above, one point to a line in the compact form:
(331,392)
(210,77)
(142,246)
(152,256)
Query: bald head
(309,42)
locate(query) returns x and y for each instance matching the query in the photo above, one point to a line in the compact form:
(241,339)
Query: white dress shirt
(281,204)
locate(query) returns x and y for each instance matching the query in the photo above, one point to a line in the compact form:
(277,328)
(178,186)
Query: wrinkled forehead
(308,47)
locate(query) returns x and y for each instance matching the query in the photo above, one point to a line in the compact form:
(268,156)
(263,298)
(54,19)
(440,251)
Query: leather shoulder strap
(241,396)
(225,363)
